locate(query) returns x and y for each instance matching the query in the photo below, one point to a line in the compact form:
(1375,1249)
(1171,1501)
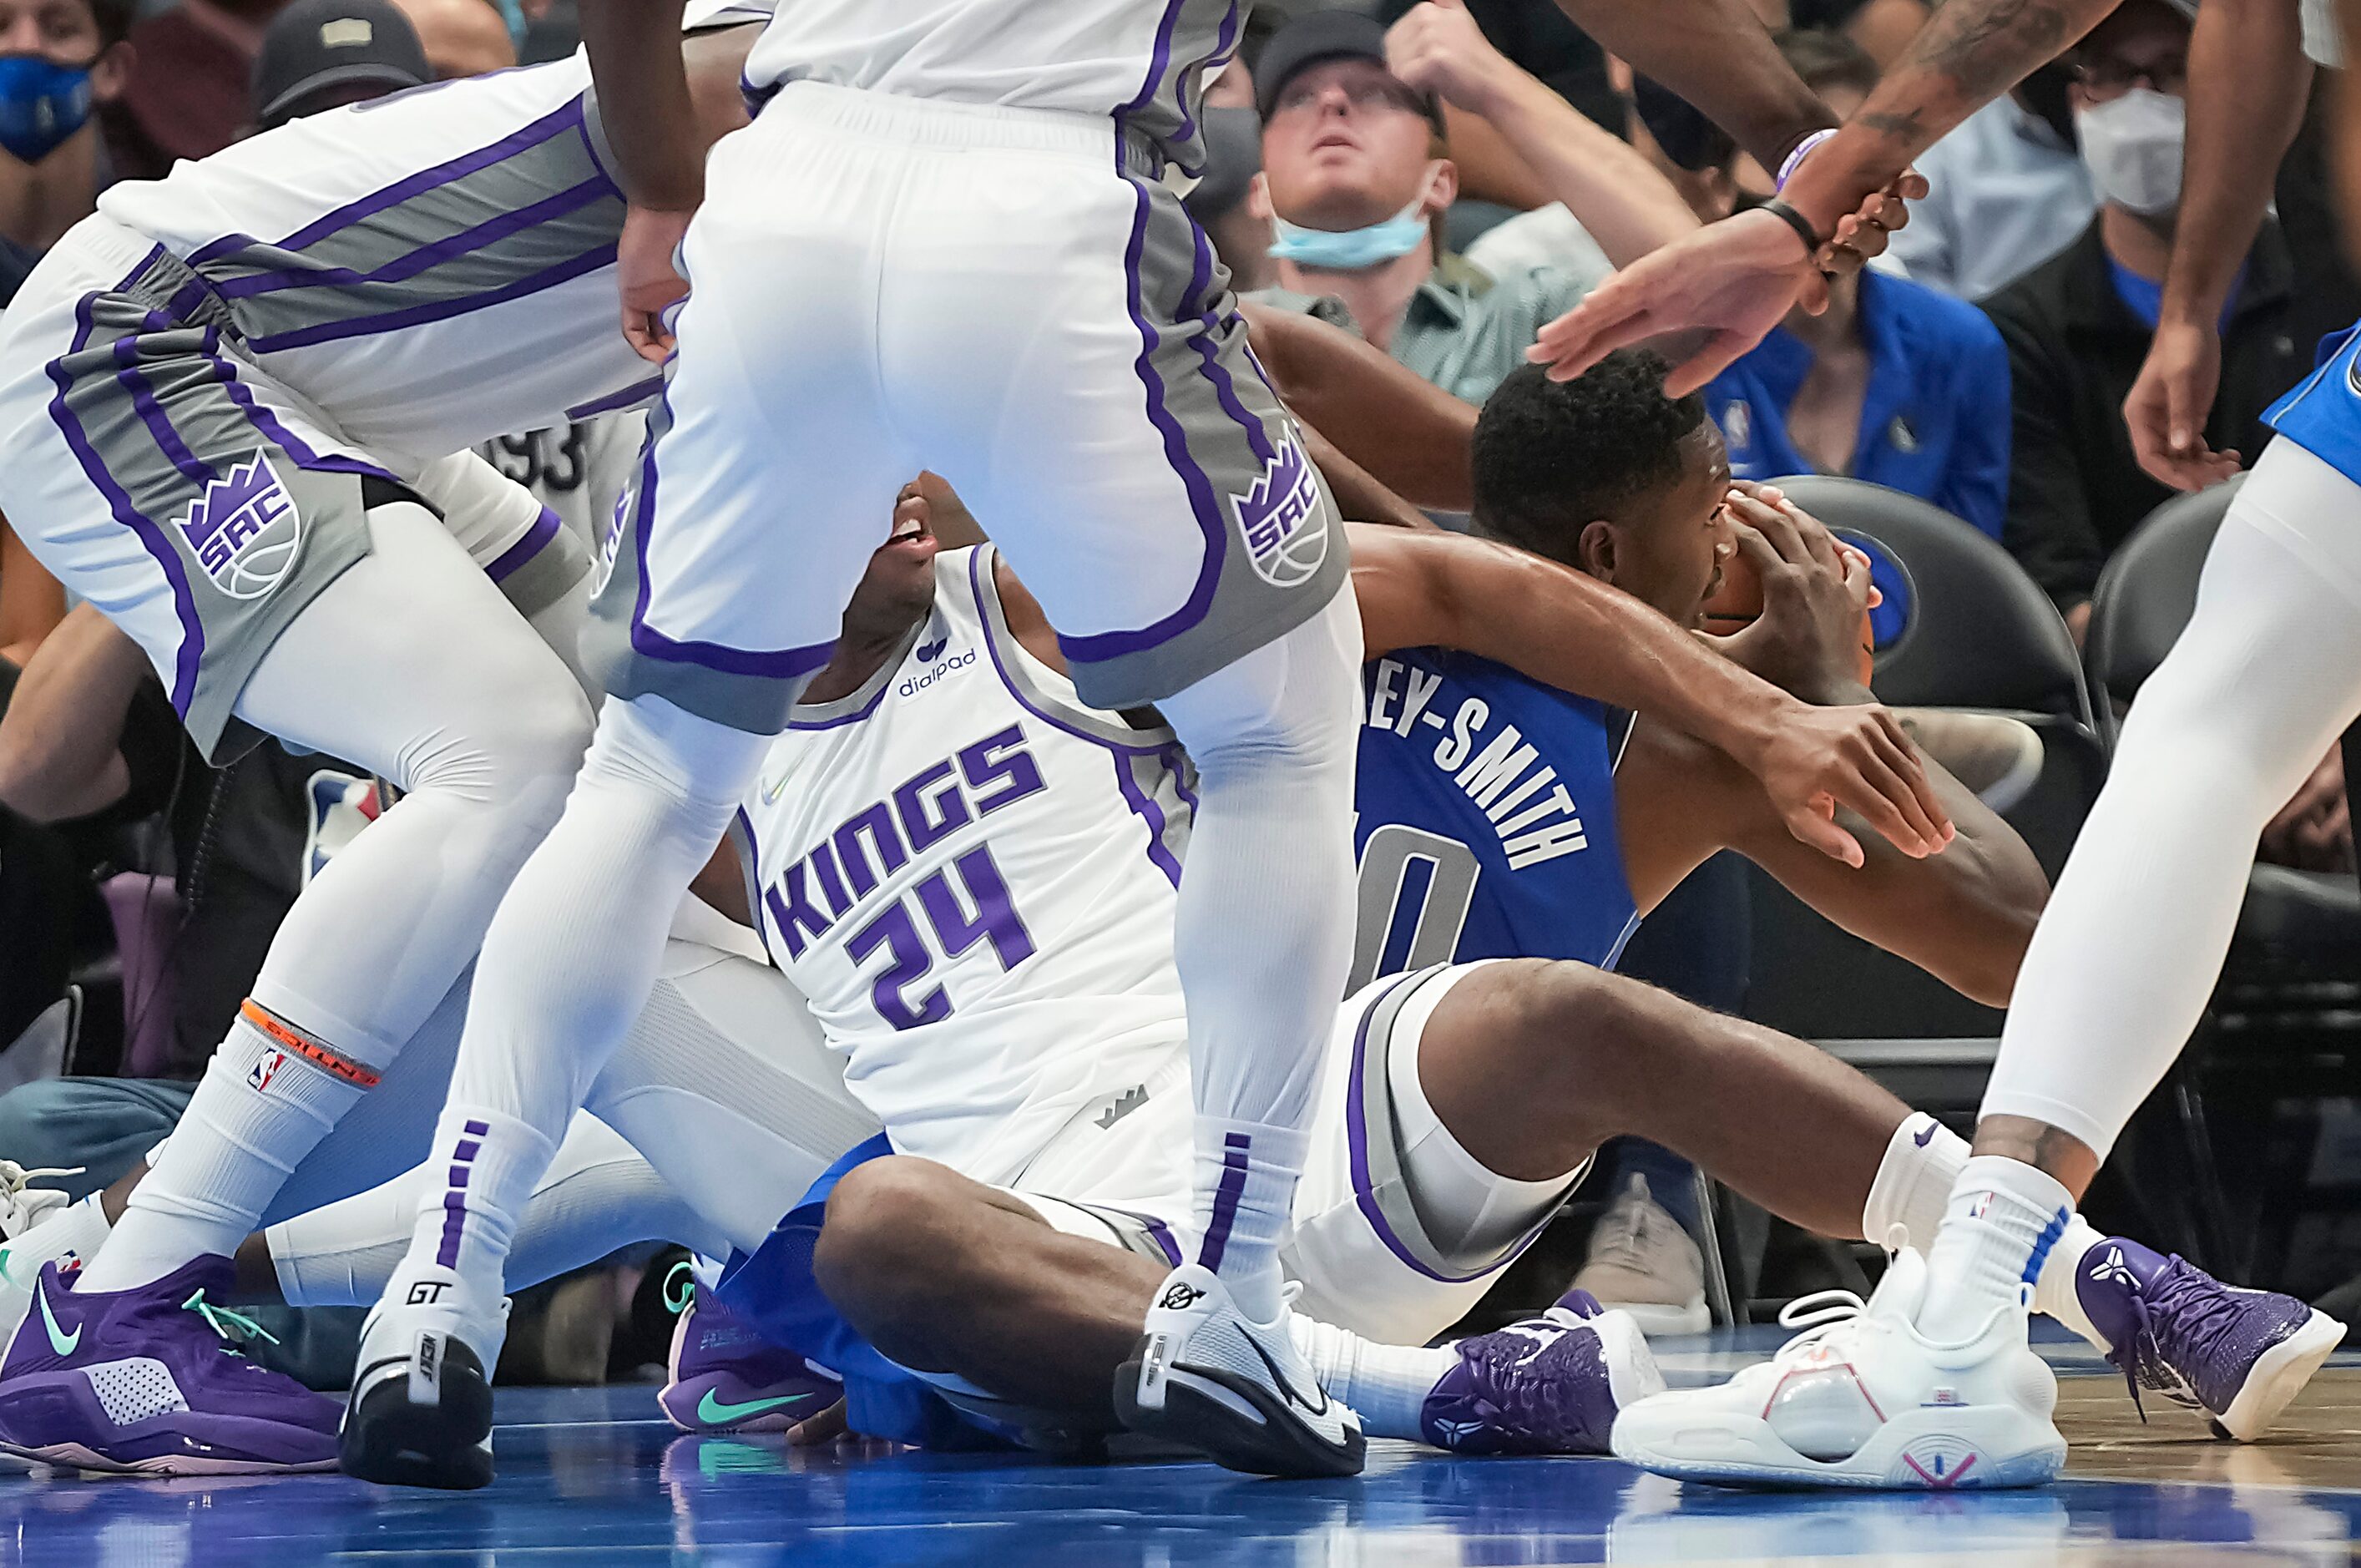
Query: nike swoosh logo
(1924,1137)
(716,1412)
(60,1340)
(1286,1387)
(771,792)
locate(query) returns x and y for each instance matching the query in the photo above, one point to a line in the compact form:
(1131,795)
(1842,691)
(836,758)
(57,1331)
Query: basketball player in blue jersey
(229,402)
(947,241)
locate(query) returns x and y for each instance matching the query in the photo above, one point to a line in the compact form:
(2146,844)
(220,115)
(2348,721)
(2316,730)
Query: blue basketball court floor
(594,1475)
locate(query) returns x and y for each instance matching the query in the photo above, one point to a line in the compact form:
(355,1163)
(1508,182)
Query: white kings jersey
(971,877)
(431,269)
(1144,62)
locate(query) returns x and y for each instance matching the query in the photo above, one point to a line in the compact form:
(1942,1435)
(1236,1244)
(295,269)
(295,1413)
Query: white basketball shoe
(1861,1400)
(420,1413)
(1236,1390)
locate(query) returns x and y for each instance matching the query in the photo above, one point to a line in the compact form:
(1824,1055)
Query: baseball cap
(1318,36)
(315,46)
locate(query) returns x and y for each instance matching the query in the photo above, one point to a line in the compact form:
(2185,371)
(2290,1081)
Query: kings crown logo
(245,529)
(1282,520)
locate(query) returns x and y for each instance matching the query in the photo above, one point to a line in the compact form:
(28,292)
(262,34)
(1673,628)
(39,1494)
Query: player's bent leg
(1263,939)
(410,664)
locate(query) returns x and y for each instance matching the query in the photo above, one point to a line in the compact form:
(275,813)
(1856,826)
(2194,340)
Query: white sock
(72,1235)
(598,1195)
(1246,1174)
(2054,1294)
(1385,1384)
(1263,929)
(480,1180)
(260,1109)
(2004,1219)
(1913,1185)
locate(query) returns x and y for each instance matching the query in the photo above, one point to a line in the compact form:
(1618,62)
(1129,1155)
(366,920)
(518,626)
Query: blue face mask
(1350,250)
(41,103)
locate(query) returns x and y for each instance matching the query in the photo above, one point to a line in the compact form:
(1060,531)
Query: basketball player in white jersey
(1934,1386)
(228,403)
(946,242)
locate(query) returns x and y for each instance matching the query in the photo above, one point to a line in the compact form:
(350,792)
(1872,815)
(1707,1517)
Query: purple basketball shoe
(150,1381)
(2239,1355)
(726,1378)
(1548,1385)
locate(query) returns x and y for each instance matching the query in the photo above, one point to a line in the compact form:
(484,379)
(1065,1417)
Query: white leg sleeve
(1264,931)
(2266,675)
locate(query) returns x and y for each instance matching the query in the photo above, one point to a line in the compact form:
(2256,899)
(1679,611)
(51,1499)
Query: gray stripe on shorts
(542,581)
(256,535)
(1275,552)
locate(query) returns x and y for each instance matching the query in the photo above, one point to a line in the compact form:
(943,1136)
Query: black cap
(1318,36)
(315,46)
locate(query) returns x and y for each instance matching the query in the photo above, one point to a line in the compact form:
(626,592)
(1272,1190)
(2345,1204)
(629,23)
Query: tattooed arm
(1969,52)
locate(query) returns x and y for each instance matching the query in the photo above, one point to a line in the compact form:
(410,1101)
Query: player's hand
(1814,590)
(2168,404)
(1859,758)
(1864,234)
(647,278)
(1734,280)
(1437,48)
(819,1431)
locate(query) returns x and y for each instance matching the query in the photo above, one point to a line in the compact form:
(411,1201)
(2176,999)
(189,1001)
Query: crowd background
(1981,366)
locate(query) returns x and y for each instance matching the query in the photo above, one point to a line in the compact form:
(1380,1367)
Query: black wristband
(1798,222)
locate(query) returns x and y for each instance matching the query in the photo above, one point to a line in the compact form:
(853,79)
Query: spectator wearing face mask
(1356,170)
(61,60)
(2078,326)
(1893,383)
(2007,192)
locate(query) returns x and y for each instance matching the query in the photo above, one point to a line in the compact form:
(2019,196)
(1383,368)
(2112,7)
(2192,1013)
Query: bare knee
(892,1241)
(1580,1039)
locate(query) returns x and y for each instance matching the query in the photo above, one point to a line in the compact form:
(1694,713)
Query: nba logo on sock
(1280,519)
(245,529)
(259,1078)
(1980,1205)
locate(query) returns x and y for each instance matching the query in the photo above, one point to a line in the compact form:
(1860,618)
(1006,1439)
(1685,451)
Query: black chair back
(2146,595)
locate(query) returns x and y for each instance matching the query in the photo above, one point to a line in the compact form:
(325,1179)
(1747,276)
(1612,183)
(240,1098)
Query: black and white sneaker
(420,1410)
(1236,1390)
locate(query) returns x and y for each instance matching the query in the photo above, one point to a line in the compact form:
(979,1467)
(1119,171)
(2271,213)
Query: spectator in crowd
(60,62)
(463,38)
(1893,382)
(1356,170)
(1240,229)
(1882,28)
(189,91)
(321,53)
(2078,327)
(2007,193)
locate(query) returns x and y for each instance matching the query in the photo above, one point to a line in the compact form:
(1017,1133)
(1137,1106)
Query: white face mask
(2132,146)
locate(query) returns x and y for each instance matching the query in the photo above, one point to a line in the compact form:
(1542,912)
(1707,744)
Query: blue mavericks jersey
(2323,414)
(1485,819)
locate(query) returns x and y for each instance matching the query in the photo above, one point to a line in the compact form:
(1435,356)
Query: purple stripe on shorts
(637,393)
(543,529)
(127,375)
(555,123)
(1356,1145)
(785,663)
(1236,1150)
(1144,806)
(269,422)
(1222,39)
(118,501)
(1216,372)
(1158,1231)
(454,1200)
(589,261)
(450,248)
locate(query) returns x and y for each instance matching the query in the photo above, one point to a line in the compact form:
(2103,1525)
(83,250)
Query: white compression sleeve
(1264,930)
(413,666)
(597,1195)
(2266,675)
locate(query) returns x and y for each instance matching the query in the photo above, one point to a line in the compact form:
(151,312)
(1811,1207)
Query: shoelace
(1817,1316)
(23,1205)
(679,1288)
(234,1328)
(2175,1306)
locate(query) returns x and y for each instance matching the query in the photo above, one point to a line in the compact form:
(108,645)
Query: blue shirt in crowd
(1935,416)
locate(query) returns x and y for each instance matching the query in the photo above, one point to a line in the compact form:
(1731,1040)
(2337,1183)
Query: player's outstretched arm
(60,756)
(1410,434)
(2248,81)
(1717,55)
(651,123)
(1558,626)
